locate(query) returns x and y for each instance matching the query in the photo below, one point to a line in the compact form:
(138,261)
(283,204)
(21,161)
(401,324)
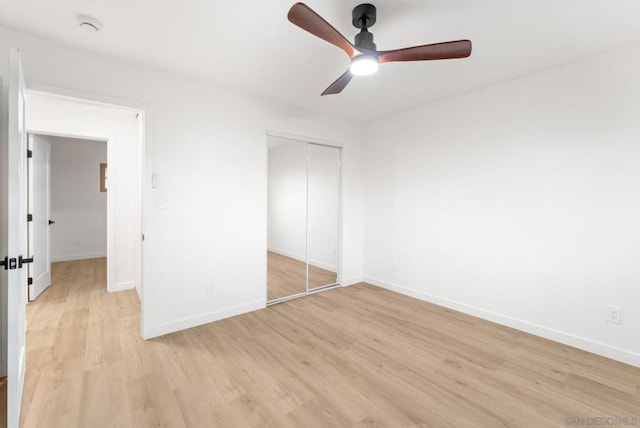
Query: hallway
(77,333)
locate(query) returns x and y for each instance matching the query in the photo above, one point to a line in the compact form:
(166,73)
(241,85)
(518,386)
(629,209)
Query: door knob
(51,222)
(23,261)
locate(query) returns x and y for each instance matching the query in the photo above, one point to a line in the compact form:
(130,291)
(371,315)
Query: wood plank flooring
(350,357)
(3,401)
(286,276)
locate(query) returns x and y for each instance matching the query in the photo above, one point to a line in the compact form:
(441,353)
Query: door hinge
(143,236)
(9,264)
(29,217)
(29,281)
(29,154)
(23,261)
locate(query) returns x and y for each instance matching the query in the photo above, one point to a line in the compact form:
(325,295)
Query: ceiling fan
(363,54)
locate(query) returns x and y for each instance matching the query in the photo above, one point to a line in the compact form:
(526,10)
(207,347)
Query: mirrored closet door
(303,218)
(323,198)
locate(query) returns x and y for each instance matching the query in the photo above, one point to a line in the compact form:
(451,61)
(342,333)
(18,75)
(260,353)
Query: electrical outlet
(613,314)
(211,288)
(77,243)
(394,266)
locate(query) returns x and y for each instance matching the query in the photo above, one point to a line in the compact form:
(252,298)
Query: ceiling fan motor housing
(363,17)
(364,39)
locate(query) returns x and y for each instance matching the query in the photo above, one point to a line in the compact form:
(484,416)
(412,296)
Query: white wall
(78,207)
(207,145)
(519,203)
(62,116)
(304,202)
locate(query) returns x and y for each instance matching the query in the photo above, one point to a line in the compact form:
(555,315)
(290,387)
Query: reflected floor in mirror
(286,276)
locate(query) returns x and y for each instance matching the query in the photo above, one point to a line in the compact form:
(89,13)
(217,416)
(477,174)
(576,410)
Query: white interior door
(14,278)
(40,209)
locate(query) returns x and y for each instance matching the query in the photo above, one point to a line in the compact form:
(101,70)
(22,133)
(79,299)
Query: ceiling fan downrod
(363,17)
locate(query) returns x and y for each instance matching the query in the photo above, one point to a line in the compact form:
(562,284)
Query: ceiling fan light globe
(364,65)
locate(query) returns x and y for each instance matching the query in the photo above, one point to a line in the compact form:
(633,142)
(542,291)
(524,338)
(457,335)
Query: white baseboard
(615,353)
(71,257)
(302,259)
(120,286)
(185,323)
(351,281)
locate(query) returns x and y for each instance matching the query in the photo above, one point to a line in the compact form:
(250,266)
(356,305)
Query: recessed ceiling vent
(89,23)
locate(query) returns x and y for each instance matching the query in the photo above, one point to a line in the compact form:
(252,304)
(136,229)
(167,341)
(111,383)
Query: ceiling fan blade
(301,15)
(446,50)
(337,86)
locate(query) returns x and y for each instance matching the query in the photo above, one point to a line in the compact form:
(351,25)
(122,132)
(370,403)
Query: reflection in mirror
(287,216)
(323,215)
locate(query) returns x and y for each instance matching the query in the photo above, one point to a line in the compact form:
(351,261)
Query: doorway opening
(67,205)
(61,113)
(66,120)
(94,225)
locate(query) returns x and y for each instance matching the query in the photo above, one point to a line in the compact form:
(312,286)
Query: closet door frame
(319,142)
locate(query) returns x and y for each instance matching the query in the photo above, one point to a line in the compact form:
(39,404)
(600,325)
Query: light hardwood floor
(286,276)
(354,357)
(3,401)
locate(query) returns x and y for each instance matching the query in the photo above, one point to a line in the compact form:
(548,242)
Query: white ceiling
(250,44)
